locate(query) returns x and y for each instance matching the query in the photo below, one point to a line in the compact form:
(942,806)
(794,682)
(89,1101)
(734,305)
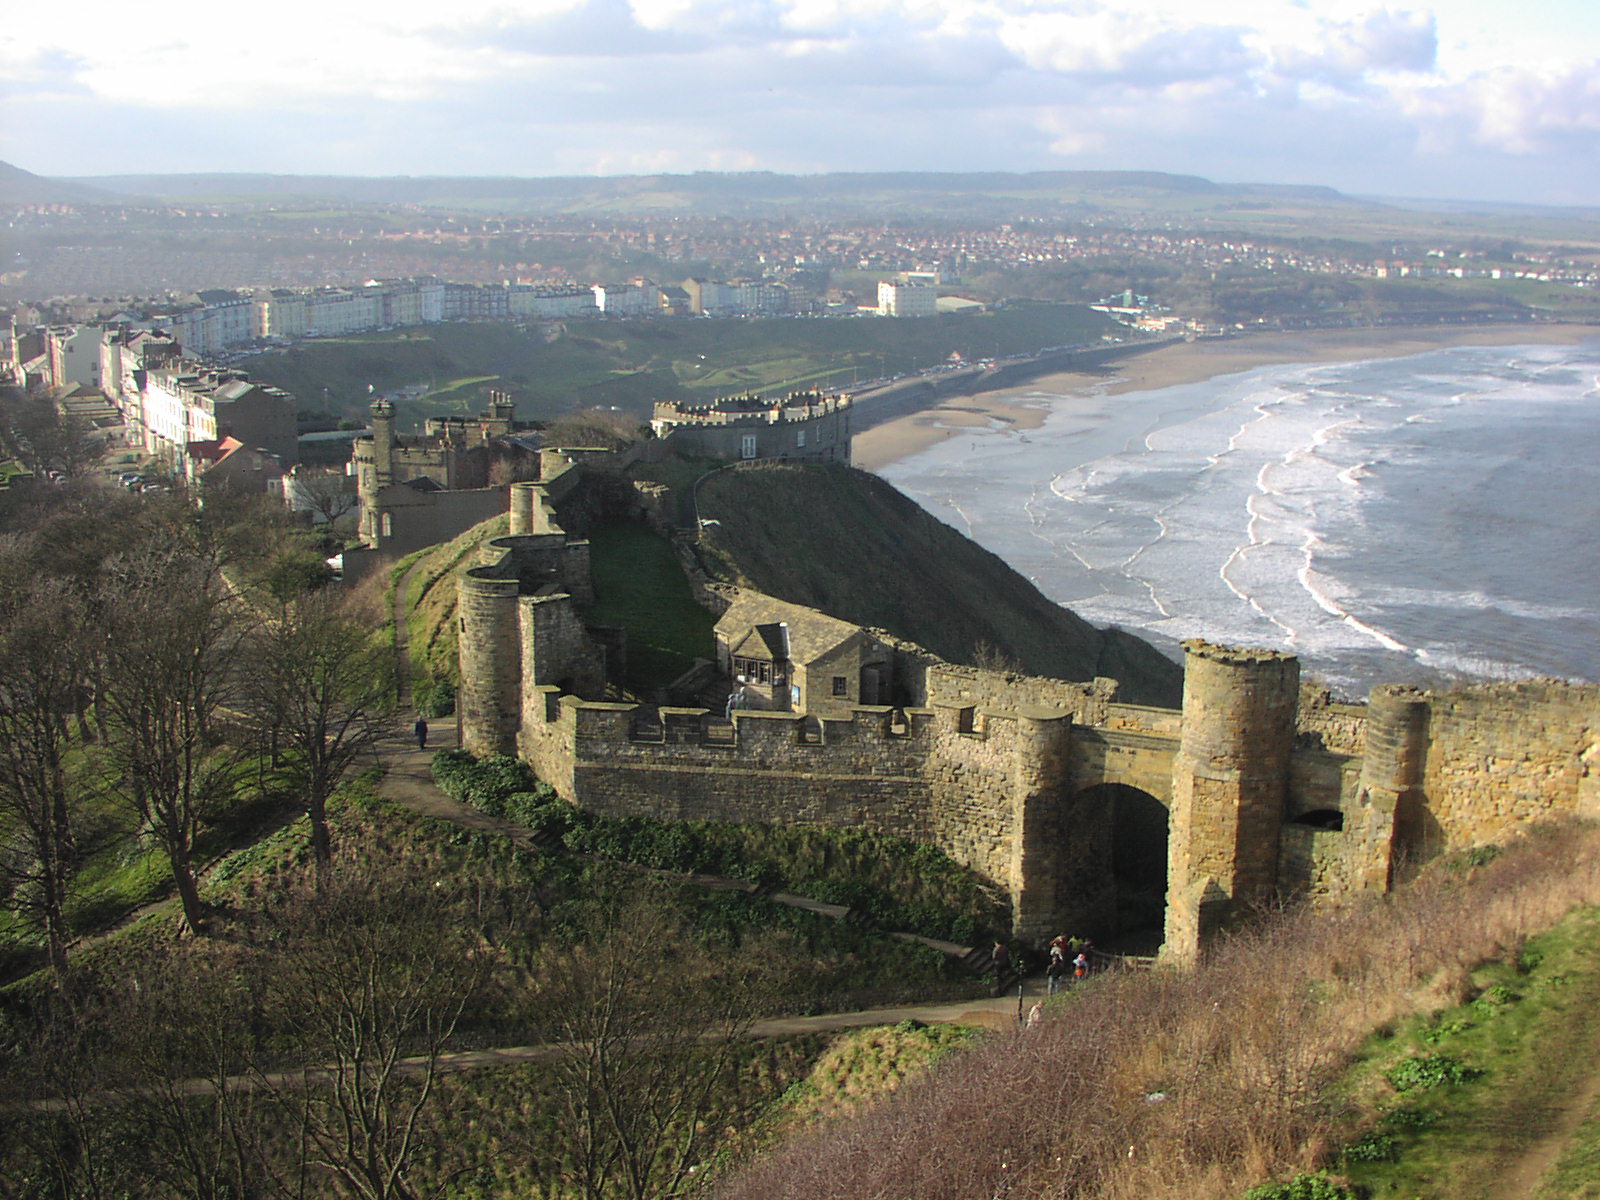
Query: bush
(1408,1118)
(1493,999)
(1301,1187)
(1373,1147)
(433,697)
(1430,1071)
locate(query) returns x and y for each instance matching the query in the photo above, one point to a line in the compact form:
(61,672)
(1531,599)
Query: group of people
(1069,961)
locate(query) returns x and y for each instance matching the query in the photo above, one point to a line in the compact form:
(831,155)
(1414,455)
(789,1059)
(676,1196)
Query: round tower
(1391,779)
(1229,784)
(489,699)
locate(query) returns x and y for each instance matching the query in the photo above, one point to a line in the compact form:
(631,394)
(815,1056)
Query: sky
(1460,99)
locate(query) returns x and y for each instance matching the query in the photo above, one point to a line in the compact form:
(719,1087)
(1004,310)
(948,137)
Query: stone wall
(1500,756)
(1273,790)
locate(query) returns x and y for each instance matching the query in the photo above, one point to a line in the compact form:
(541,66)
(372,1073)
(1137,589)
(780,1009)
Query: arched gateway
(1051,789)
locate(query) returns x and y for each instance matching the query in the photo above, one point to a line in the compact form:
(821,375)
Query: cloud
(1522,111)
(1101,46)
(1347,54)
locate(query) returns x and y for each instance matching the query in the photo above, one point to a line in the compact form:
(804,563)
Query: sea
(1431,519)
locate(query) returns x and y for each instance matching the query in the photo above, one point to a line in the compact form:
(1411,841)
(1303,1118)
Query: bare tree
(43,672)
(317,681)
(170,627)
(329,495)
(377,967)
(647,1025)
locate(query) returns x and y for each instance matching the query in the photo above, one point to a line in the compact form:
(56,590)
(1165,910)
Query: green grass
(632,365)
(1533,1029)
(640,585)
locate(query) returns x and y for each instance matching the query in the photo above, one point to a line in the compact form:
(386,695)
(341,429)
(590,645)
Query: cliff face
(846,542)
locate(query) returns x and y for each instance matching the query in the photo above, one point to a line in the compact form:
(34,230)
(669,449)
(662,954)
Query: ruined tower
(1229,783)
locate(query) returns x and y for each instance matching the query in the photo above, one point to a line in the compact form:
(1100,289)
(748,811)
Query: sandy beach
(1021,407)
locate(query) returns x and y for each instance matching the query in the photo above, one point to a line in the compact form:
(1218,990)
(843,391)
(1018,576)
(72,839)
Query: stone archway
(1134,857)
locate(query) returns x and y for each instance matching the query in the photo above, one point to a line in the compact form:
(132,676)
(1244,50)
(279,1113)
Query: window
(747,446)
(753,670)
(800,439)
(840,686)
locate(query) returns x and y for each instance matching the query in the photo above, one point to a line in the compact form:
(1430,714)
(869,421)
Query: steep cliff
(846,542)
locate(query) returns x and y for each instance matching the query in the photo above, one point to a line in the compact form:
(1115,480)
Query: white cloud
(1341,93)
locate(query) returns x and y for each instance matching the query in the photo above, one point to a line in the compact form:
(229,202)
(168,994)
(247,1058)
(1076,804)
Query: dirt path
(1520,1179)
(1565,1090)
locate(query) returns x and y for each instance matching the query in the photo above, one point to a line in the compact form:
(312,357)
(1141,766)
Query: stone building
(418,489)
(1092,815)
(785,657)
(805,425)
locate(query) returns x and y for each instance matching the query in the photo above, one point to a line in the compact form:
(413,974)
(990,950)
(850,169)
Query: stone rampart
(1265,789)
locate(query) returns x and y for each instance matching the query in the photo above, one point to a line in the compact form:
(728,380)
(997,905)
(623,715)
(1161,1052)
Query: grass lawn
(1534,1032)
(640,586)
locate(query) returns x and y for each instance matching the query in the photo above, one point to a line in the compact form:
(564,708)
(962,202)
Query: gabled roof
(751,622)
(766,643)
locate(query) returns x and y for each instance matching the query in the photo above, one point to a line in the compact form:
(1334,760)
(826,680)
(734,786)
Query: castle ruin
(1089,813)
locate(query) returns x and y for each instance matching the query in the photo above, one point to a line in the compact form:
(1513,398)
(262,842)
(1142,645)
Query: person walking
(1055,973)
(421,730)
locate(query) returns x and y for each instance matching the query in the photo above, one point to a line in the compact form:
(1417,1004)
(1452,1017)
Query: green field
(640,586)
(631,365)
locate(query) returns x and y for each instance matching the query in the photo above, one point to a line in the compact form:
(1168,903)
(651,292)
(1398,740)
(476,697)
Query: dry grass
(1190,1084)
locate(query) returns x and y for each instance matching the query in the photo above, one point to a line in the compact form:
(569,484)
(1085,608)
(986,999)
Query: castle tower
(1391,780)
(1229,783)
(382,442)
(489,699)
(524,505)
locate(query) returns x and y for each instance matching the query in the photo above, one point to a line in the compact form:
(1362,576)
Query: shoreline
(1022,407)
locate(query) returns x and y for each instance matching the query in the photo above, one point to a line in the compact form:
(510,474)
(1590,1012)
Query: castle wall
(1502,755)
(1272,789)
(774,767)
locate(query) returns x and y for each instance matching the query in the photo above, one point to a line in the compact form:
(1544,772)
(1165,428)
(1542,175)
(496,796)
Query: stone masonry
(1271,791)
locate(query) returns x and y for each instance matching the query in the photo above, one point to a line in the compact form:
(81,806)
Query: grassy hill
(632,364)
(846,542)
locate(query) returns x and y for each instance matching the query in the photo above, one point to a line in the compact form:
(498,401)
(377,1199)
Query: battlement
(1258,789)
(735,410)
(805,425)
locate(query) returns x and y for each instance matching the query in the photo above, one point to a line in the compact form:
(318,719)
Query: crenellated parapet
(1082,809)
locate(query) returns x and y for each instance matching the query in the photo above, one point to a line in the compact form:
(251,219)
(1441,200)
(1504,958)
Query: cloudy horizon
(1460,99)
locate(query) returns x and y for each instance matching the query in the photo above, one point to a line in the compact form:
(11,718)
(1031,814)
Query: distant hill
(24,187)
(708,193)
(846,542)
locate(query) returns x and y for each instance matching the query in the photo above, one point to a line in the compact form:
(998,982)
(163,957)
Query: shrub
(1493,999)
(1430,1071)
(1406,1117)
(433,697)
(1376,1146)
(1301,1187)
(1448,1029)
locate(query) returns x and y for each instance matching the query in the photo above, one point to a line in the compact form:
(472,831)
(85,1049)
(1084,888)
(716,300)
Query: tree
(328,495)
(43,673)
(46,438)
(646,1023)
(317,682)
(376,967)
(170,629)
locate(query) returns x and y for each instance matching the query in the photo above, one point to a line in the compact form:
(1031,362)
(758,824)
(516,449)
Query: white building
(907,299)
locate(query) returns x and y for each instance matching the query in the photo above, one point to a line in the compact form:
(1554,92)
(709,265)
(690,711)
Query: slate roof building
(788,658)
